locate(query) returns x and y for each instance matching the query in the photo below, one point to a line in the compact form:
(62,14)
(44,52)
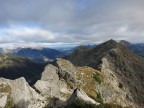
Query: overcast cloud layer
(51,22)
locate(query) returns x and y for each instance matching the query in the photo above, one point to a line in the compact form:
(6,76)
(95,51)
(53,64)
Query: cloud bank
(70,21)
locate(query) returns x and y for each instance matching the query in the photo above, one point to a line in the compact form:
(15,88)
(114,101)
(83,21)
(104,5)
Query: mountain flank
(117,60)
(13,67)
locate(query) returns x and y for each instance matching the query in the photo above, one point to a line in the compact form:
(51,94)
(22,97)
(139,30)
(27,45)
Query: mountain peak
(109,44)
(93,57)
(125,43)
(111,40)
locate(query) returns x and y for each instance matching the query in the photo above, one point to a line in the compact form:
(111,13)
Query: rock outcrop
(79,94)
(66,70)
(58,83)
(55,79)
(50,73)
(20,94)
(50,84)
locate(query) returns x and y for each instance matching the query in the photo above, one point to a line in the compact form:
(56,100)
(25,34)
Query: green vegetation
(9,104)
(97,78)
(100,100)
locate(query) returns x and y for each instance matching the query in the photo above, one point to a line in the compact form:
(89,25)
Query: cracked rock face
(54,79)
(49,83)
(66,70)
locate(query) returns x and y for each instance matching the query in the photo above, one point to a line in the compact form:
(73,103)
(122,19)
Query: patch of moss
(97,78)
(100,100)
(5,88)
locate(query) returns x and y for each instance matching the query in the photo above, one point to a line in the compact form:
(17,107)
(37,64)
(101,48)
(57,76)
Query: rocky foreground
(62,85)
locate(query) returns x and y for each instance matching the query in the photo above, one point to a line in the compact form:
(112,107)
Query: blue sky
(69,22)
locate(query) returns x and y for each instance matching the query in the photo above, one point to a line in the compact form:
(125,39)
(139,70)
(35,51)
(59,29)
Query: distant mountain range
(39,55)
(72,49)
(136,48)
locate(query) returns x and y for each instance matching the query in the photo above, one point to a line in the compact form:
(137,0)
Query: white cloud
(122,30)
(26,34)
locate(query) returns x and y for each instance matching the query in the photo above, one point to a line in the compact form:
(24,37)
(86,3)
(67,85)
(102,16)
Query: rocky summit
(106,76)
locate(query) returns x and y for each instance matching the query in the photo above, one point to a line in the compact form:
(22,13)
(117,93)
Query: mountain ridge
(126,65)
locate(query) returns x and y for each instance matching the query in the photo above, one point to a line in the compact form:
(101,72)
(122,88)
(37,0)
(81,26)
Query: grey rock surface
(66,70)
(22,95)
(50,73)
